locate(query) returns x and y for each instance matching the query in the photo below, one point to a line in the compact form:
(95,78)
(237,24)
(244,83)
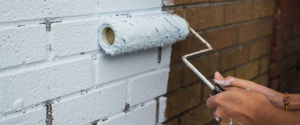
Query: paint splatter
(18,105)
(224,83)
(248,89)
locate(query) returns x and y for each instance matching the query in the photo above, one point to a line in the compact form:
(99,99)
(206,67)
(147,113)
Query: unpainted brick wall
(285,64)
(53,72)
(241,34)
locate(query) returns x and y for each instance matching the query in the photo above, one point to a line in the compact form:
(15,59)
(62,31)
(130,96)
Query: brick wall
(53,72)
(285,61)
(241,33)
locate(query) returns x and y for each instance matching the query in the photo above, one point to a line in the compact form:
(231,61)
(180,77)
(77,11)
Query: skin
(259,105)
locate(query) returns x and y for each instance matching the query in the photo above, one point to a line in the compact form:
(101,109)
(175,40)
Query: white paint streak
(224,83)
(168,2)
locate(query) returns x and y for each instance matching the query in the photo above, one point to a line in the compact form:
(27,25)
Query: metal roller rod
(191,66)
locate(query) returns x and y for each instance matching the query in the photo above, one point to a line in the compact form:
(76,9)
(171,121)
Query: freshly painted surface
(53,71)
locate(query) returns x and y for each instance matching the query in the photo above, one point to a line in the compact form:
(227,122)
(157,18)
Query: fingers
(236,82)
(211,102)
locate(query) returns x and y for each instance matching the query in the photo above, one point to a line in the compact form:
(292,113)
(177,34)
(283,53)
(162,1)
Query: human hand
(230,82)
(242,106)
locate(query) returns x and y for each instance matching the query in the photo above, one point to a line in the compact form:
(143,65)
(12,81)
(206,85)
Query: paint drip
(132,34)
(18,104)
(224,83)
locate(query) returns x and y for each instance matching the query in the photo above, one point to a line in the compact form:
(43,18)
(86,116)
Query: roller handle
(216,91)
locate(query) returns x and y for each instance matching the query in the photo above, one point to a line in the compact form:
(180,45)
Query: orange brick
(204,17)
(262,80)
(222,38)
(179,2)
(234,57)
(264,64)
(260,47)
(182,100)
(173,122)
(228,73)
(263,8)
(237,12)
(198,116)
(255,30)
(248,71)
(206,90)
(189,45)
(179,12)
(174,78)
(207,66)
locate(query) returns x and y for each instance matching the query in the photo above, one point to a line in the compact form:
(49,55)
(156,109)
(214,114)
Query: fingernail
(218,75)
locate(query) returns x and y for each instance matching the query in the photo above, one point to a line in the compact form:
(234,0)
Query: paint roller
(132,34)
(121,36)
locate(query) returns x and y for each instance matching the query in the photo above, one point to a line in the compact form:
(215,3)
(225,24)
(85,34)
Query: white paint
(121,66)
(65,66)
(148,86)
(43,83)
(20,45)
(105,6)
(144,115)
(162,108)
(74,37)
(36,117)
(217,119)
(133,34)
(32,9)
(90,107)
(248,89)
(168,2)
(224,83)
(18,105)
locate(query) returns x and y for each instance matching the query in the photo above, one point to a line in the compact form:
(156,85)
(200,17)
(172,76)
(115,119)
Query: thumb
(218,76)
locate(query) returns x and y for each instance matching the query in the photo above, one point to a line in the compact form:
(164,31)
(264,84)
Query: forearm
(294,102)
(285,118)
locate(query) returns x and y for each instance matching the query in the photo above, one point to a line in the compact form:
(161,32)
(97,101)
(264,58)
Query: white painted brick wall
(49,54)
(147,86)
(32,9)
(20,45)
(92,106)
(36,117)
(74,37)
(144,115)
(43,83)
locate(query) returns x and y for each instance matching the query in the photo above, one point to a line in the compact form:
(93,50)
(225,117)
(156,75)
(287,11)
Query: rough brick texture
(241,34)
(53,72)
(284,64)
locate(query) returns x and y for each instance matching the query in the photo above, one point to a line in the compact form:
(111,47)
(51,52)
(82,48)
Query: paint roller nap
(132,34)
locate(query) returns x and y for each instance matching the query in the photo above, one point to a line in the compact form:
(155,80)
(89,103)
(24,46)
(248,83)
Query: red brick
(206,65)
(293,46)
(274,84)
(234,57)
(279,67)
(199,116)
(279,52)
(174,78)
(248,71)
(205,17)
(260,47)
(263,8)
(291,18)
(296,31)
(287,78)
(237,12)
(255,30)
(219,39)
(287,34)
(182,100)
(179,12)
